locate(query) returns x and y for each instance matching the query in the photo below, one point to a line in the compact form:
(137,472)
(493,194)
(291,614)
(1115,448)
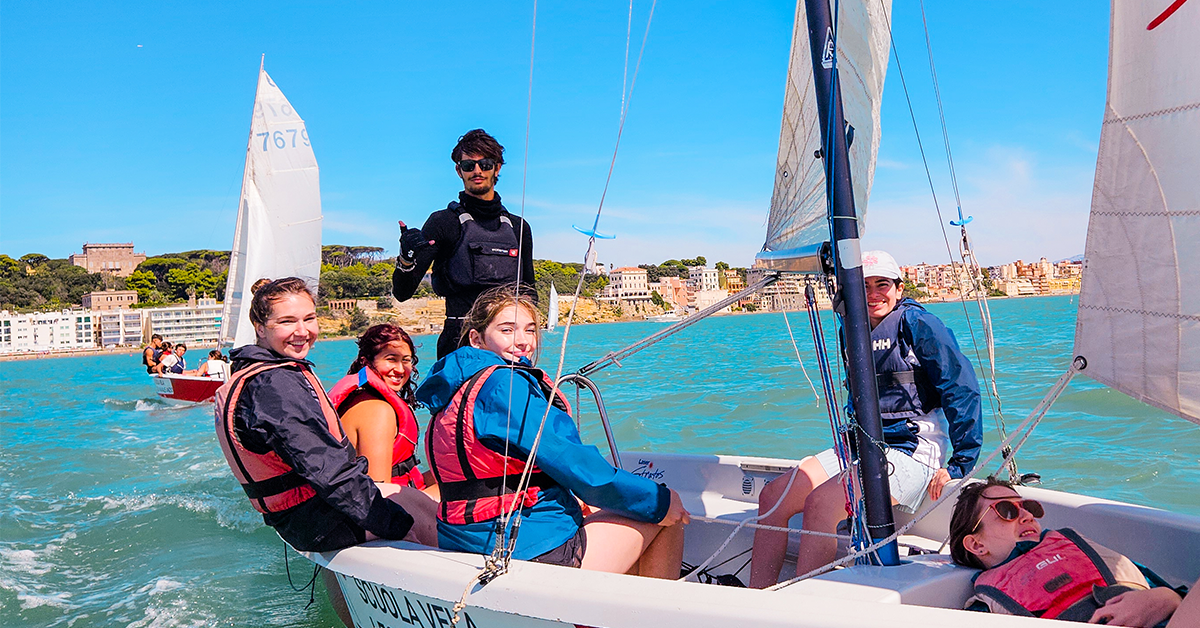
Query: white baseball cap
(879,264)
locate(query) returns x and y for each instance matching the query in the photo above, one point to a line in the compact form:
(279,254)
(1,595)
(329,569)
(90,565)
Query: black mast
(848,262)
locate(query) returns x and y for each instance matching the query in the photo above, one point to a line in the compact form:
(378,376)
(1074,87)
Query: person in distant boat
(488,402)
(1024,567)
(180,364)
(166,359)
(152,353)
(216,366)
(285,445)
(474,244)
(375,401)
(927,388)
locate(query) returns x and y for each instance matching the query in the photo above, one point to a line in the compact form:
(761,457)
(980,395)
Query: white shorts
(908,479)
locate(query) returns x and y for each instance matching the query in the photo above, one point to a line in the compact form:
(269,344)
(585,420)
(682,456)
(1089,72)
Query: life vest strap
(898,377)
(489,487)
(274,486)
(404,466)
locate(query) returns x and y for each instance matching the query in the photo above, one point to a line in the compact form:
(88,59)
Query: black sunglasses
(468,165)
(1010,509)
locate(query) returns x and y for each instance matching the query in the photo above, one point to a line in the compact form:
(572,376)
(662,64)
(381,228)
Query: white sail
(799,211)
(1139,312)
(278,231)
(552,317)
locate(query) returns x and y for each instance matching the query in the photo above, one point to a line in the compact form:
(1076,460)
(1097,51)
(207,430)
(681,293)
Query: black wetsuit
(445,228)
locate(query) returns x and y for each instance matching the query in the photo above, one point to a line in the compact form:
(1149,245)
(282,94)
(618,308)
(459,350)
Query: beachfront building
(198,322)
(118,260)
(787,294)
(628,284)
(674,291)
(104,300)
(121,327)
(703,278)
(46,331)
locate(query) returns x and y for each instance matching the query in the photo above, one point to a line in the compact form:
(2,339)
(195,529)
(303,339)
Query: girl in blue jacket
(488,402)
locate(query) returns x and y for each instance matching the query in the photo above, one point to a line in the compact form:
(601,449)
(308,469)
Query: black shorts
(345,534)
(569,554)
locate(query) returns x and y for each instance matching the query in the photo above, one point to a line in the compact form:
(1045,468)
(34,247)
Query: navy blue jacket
(950,374)
(279,411)
(576,469)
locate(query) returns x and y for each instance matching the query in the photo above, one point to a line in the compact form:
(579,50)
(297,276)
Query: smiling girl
(489,402)
(374,400)
(285,445)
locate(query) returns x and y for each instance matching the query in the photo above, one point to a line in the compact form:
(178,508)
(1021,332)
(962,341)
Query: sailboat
(278,229)
(1138,332)
(552,315)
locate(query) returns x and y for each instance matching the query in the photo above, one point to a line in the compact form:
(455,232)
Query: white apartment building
(703,278)
(197,322)
(787,294)
(120,327)
(46,331)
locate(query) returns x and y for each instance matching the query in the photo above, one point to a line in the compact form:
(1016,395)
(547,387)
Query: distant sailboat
(552,317)
(278,231)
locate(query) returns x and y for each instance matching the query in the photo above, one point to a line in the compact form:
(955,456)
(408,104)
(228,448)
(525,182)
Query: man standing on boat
(152,353)
(474,244)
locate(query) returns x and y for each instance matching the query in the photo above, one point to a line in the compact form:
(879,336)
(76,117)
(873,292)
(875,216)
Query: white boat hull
(402,584)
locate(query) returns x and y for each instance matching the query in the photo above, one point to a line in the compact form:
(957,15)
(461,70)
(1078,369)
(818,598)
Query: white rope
(799,360)
(1030,422)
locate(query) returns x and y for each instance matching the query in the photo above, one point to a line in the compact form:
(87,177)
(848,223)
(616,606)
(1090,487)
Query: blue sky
(128,121)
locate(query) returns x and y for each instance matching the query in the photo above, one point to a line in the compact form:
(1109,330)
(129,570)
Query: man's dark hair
(156,337)
(477,142)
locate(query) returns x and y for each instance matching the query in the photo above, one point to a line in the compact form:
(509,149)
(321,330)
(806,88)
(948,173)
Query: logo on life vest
(883,344)
(513,252)
(1049,561)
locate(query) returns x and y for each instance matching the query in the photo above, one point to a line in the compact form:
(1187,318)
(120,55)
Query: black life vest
(477,483)
(482,258)
(904,388)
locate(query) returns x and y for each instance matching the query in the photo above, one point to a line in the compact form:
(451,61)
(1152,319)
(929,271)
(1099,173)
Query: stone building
(104,300)
(113,259)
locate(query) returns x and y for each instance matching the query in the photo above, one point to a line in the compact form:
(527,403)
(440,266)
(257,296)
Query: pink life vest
(270,483)
(1062,577)
(404,459)
(471,476)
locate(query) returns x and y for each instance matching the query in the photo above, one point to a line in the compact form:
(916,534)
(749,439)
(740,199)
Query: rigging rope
(973,268)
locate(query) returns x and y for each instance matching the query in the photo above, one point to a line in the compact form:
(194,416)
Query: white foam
(33,600)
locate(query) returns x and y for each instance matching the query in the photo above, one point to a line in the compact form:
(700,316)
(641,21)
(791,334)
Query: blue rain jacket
(949,372)
(577,469)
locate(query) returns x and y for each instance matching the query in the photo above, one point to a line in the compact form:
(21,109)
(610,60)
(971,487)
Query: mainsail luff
(278,231)
(1139,316)
(799,210)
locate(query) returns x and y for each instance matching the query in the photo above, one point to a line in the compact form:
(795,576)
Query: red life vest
(1062,577)
(270,483)
(404,459)
(470,476)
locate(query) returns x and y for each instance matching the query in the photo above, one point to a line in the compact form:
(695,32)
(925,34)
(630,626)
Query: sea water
(117,509)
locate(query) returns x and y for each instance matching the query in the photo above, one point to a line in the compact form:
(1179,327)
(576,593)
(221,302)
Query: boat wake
(145,404)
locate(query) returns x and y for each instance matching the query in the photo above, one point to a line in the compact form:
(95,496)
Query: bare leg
(336,599)
(825,506)
(616,544)
(770,546)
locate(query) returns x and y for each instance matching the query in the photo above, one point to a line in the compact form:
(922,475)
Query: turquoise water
(118,509)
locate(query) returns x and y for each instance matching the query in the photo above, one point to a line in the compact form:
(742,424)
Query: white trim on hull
(397,576)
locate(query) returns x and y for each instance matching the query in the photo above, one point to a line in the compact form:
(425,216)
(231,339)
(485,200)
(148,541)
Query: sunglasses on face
(1010,509)
(468,165)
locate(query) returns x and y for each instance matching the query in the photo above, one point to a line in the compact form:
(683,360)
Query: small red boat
(191,388)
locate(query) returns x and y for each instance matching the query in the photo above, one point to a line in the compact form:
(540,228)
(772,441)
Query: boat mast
(848,264)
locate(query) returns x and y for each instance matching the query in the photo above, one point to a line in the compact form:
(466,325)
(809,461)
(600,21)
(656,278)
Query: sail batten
(798,219)
(1139,315)
(278,232)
